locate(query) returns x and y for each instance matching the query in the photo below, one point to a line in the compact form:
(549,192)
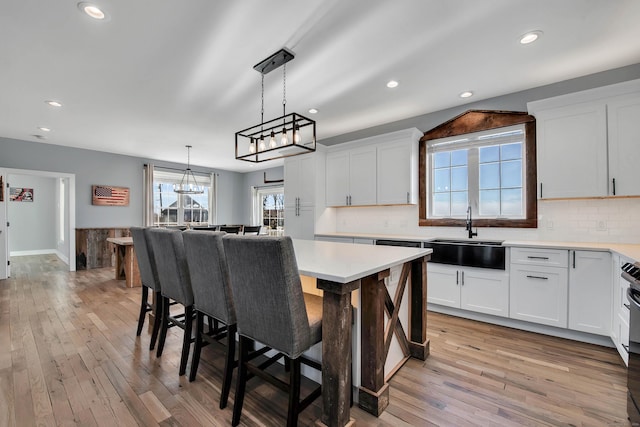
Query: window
(171,208)
(482,170)
(465,162)
(268,209)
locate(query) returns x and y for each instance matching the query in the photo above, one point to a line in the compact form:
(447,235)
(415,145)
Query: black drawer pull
(538,277)
(626,348)
(538,257)
(628,306)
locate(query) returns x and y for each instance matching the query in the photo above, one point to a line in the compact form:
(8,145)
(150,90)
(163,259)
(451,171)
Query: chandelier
(188,185)
(285,136)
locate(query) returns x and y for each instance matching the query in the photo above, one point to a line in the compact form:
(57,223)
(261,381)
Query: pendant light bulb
(252,146)
(272,140)
(296,135)
(284,140)
(262,146)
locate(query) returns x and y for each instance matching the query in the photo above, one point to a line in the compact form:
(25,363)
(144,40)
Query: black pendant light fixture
(285,136)
(188,185)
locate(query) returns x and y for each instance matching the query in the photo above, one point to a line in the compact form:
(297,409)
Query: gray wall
(256,179)
(33,224)
(516,101)
(96,167)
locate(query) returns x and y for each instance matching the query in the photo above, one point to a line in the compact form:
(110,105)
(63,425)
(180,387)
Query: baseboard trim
(34,252)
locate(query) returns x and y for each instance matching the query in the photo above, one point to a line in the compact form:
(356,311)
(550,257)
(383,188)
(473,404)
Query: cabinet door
(337,187)
(484,291)
(397,177)
(306,179)
(299,224)
(291,182)
(362,177)
(539,294)
(623,344)
(572,151)
(590,292)
(624,145)
(443,285)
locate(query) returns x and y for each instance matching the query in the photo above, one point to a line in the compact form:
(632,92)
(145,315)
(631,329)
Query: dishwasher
(405,243)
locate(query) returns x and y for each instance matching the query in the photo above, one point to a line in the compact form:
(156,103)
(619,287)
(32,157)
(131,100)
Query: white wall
(33,224)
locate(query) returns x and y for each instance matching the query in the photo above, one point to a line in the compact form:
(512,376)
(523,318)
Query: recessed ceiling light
(53,103)
(44,129)
(530,37)
(92,10)
(466,94)
(392,84)
(313,110)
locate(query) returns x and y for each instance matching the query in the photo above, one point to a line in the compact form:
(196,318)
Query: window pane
(441,180)
(441,160)
(459,203)
(512,202)
(490,202)
(489,154)
(512,174)
(511,151)
(459,158)
(490,175)
(459,179)
(441,205)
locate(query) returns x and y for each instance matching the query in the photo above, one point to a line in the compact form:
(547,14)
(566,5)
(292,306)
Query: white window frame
(472,142)
(258,213)
(171,176)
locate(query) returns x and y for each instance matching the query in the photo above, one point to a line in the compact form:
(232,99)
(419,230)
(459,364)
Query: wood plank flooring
(69,356)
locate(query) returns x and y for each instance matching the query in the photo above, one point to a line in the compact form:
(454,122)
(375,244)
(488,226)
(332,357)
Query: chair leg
(241,381)
(186,340)
(143,309)
(164,325)
(157,319)
(228,365)
(195,360)
(294,393)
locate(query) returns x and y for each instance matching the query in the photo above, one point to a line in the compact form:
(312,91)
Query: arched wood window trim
(475,121)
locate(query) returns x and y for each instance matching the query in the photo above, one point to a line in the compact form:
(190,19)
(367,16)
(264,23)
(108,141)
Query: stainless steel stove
(631,273)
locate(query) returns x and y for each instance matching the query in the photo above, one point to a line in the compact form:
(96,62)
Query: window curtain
(213,199)
(147,210)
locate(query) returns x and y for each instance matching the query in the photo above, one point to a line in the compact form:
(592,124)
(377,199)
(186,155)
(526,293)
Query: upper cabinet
(588,142)
(380,170)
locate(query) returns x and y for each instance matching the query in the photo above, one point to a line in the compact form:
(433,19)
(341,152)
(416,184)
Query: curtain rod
(181,170)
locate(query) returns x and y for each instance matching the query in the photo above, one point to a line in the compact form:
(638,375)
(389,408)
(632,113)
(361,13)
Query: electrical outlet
(602,226)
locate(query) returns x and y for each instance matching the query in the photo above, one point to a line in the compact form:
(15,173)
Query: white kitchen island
(339,269)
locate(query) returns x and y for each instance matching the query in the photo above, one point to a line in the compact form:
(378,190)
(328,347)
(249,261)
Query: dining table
(339,269)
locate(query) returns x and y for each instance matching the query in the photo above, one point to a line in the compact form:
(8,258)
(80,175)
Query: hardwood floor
(69,356)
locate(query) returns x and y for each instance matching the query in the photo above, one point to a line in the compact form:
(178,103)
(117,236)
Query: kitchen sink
(469,253)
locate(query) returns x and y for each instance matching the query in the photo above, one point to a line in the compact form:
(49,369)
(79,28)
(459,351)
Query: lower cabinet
(475,289)
(590,292)
(539,294)
(300,222)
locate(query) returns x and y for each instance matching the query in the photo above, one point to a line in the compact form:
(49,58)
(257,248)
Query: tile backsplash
(615,220)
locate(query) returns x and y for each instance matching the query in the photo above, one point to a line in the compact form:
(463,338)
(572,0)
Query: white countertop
(346,262)
(628,250)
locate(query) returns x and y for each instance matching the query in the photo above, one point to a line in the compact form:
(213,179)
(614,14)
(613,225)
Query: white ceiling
(160,74)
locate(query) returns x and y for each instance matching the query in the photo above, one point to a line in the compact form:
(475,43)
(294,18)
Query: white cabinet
(577,133)
(572,154)
(351,177)
(303,193)
(624,145)
(380,170)
(538,290)
(398,172)
(590,292)
(475,289)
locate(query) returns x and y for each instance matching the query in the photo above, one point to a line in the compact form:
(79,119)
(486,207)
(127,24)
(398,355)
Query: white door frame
(71,214)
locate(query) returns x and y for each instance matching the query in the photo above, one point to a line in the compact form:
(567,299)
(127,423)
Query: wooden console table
(126,261)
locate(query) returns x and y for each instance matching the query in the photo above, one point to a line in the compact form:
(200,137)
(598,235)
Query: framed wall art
(107,195)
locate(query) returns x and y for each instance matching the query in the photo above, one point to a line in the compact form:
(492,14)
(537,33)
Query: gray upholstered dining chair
(272,309)
(212,297)
(231,229)
(149,279)
(175,284)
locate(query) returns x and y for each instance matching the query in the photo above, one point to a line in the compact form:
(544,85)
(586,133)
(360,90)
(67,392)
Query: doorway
(49,211)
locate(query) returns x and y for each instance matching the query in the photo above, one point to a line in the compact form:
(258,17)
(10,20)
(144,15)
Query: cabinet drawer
(535,256)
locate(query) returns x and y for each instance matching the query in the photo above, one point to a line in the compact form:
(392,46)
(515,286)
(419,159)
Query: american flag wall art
(106,195)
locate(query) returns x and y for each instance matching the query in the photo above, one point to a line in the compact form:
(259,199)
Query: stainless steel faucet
(470,223)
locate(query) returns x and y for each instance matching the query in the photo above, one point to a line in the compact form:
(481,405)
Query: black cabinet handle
(626,347)
(541,190)
(614,186)
(538,277)
(538,257)
(463,278)
(628,306)
(457,277)
(574,259)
